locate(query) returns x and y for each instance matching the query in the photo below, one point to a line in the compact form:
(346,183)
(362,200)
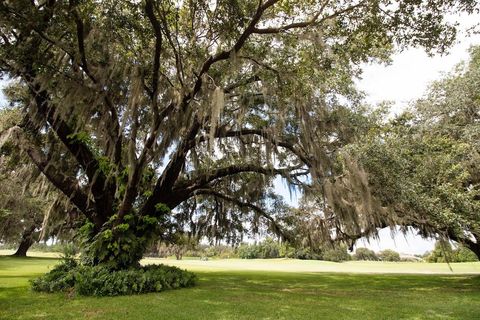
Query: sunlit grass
(303,266)
(225,291)
(292,265)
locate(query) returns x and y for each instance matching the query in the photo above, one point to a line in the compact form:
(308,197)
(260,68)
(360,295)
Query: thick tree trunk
(475,247)
(26,242)
(470,244)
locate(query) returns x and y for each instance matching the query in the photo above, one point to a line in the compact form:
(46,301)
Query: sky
(411,71)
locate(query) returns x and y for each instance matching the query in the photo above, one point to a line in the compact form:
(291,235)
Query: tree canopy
(135,108)
(423,166)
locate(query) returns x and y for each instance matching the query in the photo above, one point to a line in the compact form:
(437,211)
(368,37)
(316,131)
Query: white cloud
(412,70)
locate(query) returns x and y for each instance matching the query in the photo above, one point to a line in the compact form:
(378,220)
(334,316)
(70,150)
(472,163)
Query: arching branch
(224,55)
(66,184)
(266,134)
(202,179)
(275,226)
(101,189)
(313,20)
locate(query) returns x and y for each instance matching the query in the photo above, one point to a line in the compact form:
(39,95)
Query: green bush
(444,252)
(267,249)
(219,251)
(463,254)
(441,253)
(103,281)
(389,255)
(249,251)
(336,254)
(365,254)
(60,278)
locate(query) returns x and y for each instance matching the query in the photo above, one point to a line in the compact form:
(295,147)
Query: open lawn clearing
(252,295)
(293,265)
(305,266)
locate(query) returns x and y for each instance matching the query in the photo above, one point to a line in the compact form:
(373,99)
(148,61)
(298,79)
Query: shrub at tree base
(103,281)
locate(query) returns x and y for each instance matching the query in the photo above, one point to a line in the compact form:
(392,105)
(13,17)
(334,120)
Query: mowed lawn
(245,289)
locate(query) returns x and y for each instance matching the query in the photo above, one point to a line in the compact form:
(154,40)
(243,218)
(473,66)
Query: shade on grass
(252,295)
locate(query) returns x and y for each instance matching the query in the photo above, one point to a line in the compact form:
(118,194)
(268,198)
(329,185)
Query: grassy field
(307,266)
(239,289)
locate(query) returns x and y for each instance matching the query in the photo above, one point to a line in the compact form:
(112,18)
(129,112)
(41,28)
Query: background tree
(423,166)
(389,255)
(443,252)
(134,108)
(365,254)
(30,207)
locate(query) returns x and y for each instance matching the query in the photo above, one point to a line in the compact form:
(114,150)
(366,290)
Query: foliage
(100,281)
(365,254)
(269,248)
(249,251)
(120,246)
(178,245)
(103,281)
(222,252)
(463,254)
(443,252)
(60,278)
(389,255)
(198,105)
(422,167)
(302,253)
(20,208)
(30,206)
(336,254)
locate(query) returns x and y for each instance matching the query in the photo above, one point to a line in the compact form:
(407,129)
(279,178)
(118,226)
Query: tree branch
(101,189)
(202,179)
(149,10)
(275,226)
(311,21)
(224,55)
(264,133)
(66,184)
(170,175)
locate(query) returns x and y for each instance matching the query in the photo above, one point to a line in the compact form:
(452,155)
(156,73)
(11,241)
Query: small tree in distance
(365,254)
(389,255)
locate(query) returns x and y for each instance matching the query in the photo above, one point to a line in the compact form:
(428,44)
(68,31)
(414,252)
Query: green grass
(230,293)
(307,266)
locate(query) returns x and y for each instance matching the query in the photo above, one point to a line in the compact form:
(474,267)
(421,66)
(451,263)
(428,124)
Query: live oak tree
(29,214)
(31,209)
(151,105)
(424,167)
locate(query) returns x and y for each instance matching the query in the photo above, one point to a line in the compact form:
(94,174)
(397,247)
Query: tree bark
(470,244)
(26,242)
